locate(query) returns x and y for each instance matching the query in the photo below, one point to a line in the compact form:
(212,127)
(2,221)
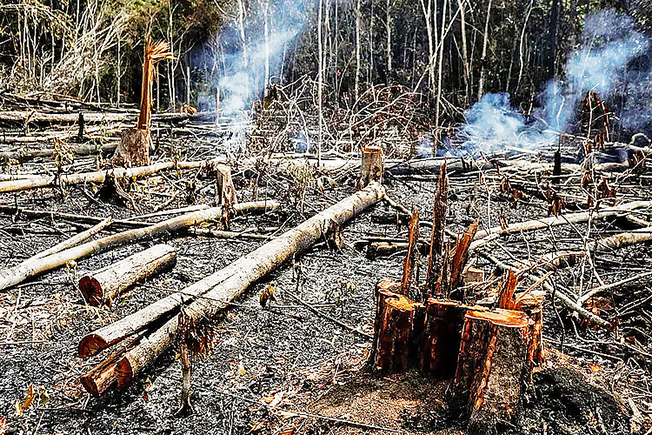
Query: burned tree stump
(102,286)
(442,335)
(494,363)
(398,329)
(373,165)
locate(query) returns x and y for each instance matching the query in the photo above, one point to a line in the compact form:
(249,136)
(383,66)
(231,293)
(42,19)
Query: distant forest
(451,52)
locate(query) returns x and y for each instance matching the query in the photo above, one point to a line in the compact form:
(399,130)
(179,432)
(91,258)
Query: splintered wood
(488,353)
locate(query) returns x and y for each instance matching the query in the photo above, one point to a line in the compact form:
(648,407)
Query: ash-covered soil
(283,368)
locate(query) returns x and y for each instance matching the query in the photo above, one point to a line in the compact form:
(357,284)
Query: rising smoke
(240,73)
(614,60)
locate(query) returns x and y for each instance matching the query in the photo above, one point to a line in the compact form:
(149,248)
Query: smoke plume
(613,60)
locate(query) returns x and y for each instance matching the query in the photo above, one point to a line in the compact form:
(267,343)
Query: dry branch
(17,274)
(102,286)
(227,284)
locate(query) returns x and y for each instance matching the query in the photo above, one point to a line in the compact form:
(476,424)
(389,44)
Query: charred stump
(494,363)
(398,328)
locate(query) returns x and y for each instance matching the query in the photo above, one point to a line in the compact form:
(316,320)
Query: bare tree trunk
(388,27)
(468,82)
(320,78)
(358,48)
(440,62)
(241,14)
(427,15)
(483,59)
(266,25)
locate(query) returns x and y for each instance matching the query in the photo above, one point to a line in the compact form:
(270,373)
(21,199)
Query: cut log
(101,377)
(232,281)
(102,286)
(494,363)
(133,149)
(20,118)
(399,325)
(442,334)
(221,287)
(29,268)
(373,164)
(473,275)
(93,177)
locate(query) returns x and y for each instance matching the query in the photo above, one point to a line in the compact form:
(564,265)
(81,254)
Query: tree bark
(372,166)
(397,331)
(102,286)
(93,177)
(494,363)
(229,283)
(17,274)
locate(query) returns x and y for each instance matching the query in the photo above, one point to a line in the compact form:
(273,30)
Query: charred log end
(124,372)
(441,337)
(98,382)
(92,291)
(373,165)
(91,345)
(494,362)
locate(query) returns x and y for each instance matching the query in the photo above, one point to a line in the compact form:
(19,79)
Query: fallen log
(29,268)
(570,218)
(74,240)
(82,150)
(219,289)
(19,118)
(93,177)
(102,286)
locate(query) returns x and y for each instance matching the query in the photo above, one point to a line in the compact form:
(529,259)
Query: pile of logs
(138,339)
(489,353)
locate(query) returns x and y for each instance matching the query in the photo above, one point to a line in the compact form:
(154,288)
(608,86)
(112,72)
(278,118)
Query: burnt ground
(284,369)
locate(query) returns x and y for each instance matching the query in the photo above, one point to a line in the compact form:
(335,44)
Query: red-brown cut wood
(102,286)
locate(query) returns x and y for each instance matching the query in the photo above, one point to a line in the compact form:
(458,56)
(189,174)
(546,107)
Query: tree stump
(442,334)
(373,165)
(133,149)
(532,305)
(494,363)
(398,329)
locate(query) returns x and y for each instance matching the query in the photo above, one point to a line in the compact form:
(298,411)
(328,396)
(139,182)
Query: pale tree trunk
(427,7)
(371,47)
(388,27)
(358,48)
(241,13)
(483,59)
(320,73)
(440,62)
(266,10)
(521,63)
(468,83)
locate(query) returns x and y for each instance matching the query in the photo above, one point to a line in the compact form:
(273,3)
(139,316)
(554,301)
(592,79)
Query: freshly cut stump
(398,329)
(224,188)
(532,305)
(494,363)
(102,286)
